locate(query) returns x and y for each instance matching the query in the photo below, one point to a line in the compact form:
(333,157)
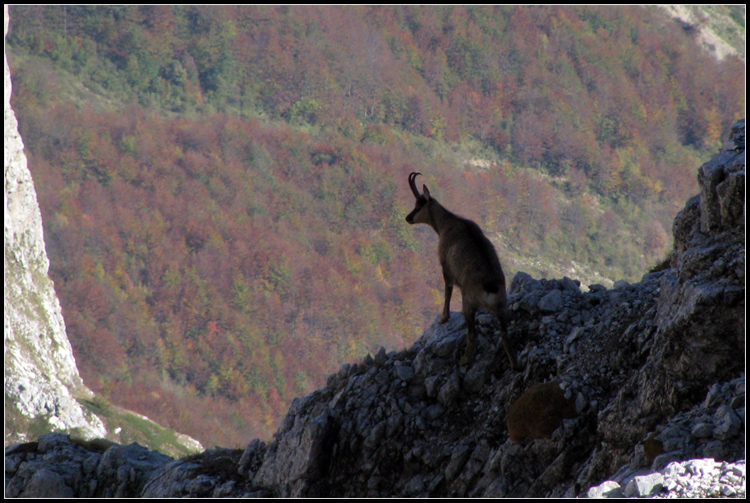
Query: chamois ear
(426,192)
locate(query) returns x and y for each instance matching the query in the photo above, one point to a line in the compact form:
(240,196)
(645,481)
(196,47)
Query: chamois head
(420,213)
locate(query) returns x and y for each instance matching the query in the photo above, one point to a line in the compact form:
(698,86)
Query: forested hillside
(223,189)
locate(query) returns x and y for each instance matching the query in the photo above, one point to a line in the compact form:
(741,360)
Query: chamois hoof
(444,319)
(512,361)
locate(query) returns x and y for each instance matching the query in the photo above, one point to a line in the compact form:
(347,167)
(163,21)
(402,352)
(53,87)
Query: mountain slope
(719,27)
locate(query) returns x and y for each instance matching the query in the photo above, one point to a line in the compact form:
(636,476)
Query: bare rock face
(698,334)
(41,378)
(722,182)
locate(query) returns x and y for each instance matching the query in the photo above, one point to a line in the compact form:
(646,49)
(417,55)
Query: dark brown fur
(470,262)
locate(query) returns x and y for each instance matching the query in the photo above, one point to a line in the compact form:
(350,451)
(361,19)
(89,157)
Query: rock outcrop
(651,400)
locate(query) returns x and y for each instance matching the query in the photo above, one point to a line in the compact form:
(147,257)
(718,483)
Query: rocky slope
(718,32)
(633,390)
(43,390)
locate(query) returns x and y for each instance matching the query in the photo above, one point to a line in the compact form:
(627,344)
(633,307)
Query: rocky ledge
(635,390)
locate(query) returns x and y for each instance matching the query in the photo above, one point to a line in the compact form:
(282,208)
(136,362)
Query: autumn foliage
(226,227)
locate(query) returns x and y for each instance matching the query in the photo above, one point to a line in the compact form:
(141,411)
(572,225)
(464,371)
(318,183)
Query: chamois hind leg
(471,335)
(503,316)
(447,303)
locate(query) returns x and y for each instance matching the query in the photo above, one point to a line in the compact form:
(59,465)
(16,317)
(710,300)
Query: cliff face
(43,390)
(41,378)
(633,379)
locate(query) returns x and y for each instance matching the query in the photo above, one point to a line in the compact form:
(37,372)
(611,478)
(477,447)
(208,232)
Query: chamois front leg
(447,304)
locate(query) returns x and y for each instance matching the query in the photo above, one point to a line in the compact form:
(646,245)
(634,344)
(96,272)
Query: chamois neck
(439,216)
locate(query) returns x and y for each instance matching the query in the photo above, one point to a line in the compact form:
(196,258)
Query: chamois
(469,261)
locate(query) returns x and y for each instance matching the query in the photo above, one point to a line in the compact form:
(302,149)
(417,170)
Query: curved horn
(413,185)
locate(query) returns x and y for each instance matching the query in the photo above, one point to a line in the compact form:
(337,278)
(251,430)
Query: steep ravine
(642,392)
